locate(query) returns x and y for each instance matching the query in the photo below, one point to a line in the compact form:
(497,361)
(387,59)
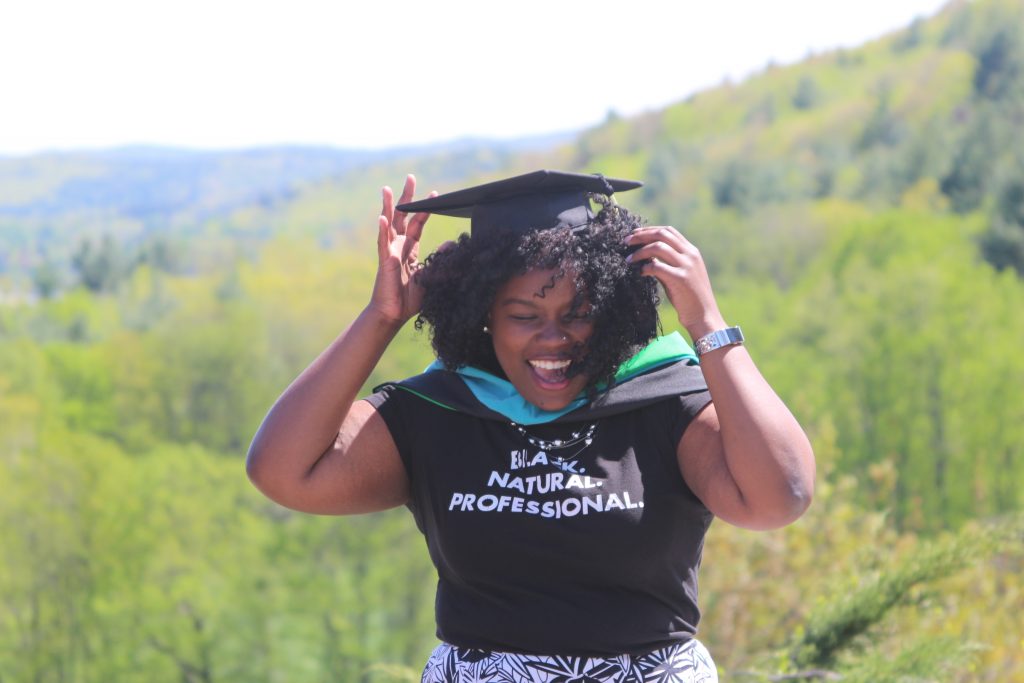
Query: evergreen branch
(836,626)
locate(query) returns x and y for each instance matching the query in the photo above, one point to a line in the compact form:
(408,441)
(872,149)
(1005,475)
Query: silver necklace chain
(584,436)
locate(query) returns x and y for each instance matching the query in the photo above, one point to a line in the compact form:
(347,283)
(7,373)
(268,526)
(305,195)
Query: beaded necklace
(584,436)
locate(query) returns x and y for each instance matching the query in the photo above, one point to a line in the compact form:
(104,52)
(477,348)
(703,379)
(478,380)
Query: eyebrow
(514,300)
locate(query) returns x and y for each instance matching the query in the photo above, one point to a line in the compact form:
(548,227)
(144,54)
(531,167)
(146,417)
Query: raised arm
(318,449)
(745,455)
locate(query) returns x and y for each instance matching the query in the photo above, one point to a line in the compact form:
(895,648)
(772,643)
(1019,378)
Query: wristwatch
(717,339)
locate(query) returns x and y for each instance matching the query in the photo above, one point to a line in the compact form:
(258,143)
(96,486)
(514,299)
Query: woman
(562,466)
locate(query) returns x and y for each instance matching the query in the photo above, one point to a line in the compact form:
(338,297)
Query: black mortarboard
(535,201)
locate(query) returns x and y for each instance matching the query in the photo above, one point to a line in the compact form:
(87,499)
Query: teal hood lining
(502,397)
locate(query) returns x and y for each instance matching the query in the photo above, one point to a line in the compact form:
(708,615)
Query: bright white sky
(228,73)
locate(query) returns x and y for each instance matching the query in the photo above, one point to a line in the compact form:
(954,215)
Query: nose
(553,332)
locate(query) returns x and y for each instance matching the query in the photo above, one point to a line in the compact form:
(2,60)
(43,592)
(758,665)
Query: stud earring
(487,330)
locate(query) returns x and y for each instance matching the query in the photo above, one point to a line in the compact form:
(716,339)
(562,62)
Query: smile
(550,364)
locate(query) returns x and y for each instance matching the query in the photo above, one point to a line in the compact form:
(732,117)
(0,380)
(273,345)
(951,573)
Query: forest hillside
(862,214)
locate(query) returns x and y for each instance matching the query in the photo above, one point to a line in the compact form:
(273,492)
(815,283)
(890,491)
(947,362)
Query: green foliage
(1000,53)
(819,195)
(807,94)
(877,600)
(872,336)
(46,279)
(839,625)
(883,127)
(170,566)
(1003,243)
(967,182)
(920,661)
(910,37)
(100,267)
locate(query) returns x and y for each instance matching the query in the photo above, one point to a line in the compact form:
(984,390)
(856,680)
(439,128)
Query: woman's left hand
(663,253)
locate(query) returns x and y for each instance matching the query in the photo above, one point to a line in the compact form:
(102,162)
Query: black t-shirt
(588,550)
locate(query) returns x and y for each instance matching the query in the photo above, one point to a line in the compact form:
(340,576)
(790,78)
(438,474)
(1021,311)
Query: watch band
(718,339)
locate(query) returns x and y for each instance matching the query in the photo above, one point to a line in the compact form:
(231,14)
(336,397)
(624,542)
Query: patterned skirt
(687,662)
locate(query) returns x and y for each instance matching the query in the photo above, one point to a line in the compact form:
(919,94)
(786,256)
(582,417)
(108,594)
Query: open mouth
(551,374)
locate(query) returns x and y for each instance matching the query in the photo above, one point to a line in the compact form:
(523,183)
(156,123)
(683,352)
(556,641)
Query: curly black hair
(461,282)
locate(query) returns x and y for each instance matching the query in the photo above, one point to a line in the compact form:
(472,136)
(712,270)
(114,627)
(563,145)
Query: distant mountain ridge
(51,203)
(151,181)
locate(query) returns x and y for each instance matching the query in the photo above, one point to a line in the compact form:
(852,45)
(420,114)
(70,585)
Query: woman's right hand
(396,294)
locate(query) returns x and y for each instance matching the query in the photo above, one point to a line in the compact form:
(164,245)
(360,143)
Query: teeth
(550,364)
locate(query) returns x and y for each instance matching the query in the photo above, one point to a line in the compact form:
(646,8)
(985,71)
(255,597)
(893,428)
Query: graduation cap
(540,200)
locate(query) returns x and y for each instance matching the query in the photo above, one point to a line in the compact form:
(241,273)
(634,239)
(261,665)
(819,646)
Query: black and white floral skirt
(687,662)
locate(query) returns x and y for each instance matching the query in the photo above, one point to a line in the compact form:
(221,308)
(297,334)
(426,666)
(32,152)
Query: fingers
(383,238)
(393,222)
(408,191)
(664,243)
(661,251)
(659,270)
(387,209)
(385,222)
(659,233)
(414,229)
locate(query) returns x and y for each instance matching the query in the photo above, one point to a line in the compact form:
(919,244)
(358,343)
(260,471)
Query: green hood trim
(660,352)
